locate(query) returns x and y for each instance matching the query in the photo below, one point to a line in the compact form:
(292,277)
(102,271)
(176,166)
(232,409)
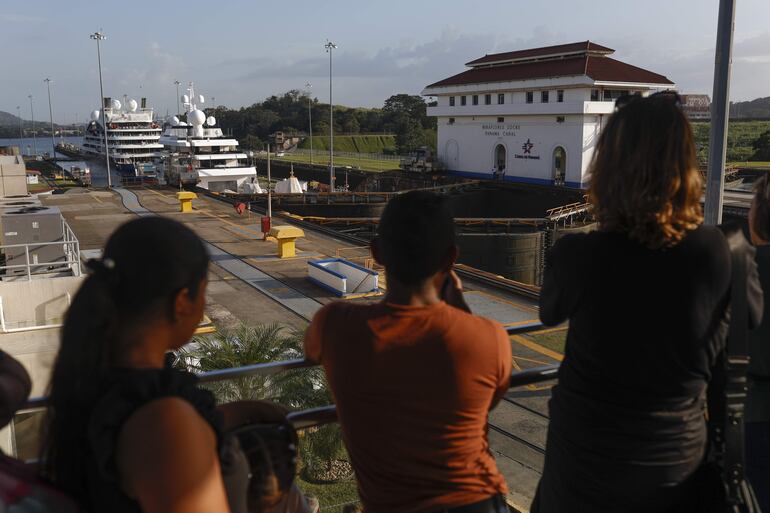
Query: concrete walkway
(292,299)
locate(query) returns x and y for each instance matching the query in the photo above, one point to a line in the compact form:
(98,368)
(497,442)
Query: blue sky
(243,51)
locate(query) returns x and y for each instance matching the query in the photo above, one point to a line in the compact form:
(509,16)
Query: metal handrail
(519,378)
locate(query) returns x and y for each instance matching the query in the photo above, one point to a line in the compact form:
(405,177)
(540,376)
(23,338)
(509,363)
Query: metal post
(29,267)
(98,36)
(177,82)
(329,47)
(310,119)
(50,113)
(34,135)
(21,136)
(720,113)
(269,194)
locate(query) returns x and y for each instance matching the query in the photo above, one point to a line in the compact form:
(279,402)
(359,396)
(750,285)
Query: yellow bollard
(286,235)
(185,200)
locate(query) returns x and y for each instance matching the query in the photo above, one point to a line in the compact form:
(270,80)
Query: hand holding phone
(452,291)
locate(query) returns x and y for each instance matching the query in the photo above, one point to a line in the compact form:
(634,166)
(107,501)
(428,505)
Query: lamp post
(310,119)
(329,47)
(50,113)
(18,113)
(34,136)
(720,114)
(98,36)
(177,82)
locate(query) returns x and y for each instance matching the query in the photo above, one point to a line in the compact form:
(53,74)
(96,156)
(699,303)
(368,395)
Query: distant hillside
(353,143)
(759,108)
(8,119)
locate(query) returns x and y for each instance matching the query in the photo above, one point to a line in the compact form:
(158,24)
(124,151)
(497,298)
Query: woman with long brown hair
(646,296)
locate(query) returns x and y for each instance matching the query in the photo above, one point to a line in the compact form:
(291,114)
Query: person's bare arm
(167,460)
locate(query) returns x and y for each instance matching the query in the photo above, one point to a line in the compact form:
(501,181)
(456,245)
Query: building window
(451,121)
(462,100)
(560,119)
(451,101)
(560,96)
(501,98)
(475,99)
(610,95)
(544,97)
(559,165)
(487,99)
(530,97)
(501,120)
(594,95)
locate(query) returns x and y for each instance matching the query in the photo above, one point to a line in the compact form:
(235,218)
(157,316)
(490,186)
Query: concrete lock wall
(516,256)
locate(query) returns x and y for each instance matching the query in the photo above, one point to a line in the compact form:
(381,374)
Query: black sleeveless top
(125,391)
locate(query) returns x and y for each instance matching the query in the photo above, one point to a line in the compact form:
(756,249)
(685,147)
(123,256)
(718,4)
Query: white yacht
(198,153)
(132,135)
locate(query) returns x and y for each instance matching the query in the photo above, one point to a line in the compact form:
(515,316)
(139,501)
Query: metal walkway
(292,299)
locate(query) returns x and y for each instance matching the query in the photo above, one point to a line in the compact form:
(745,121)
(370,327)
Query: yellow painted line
(537,347)
(503,300)
(96,198)
(553,330)
(158,193)
(519,323)
(529,360)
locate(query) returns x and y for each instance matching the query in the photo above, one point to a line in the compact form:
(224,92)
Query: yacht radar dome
(185,98)
(201,99)
(95,115)
(211,121)
(115,104)
(132,105)
(196,117)
(174,121)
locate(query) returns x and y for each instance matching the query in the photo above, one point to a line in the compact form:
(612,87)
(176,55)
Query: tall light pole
(34,136)
(329,47)
(98,36)
(18,113)
(720,114)
(50,113)
(177,82)
(310,119)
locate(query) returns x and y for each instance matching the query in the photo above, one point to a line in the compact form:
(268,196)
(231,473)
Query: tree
(409,135)
(296,389)
(411,106)
(762,147)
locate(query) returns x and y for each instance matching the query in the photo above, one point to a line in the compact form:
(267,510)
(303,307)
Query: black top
(645,328)
(758,406)
(125,391)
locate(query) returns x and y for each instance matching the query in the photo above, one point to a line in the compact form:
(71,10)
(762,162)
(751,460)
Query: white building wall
(467,147)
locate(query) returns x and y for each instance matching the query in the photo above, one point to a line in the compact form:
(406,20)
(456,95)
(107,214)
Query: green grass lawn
(340,162)
(750,164)
(352,143)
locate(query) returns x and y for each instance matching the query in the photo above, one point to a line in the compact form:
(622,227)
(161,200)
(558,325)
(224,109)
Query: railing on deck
(325,414)
(70,248)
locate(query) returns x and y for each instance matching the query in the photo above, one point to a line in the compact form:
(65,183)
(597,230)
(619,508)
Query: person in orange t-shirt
(415,376)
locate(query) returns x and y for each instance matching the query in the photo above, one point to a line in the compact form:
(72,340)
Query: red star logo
(527,147)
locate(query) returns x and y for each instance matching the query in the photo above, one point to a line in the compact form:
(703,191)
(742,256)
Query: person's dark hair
(761,220)
(146,263)
(644,174)
(415,234)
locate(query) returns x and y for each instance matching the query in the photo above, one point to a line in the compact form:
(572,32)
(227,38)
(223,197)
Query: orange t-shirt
(413,388)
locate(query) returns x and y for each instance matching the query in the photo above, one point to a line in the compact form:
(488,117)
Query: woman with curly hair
(646,296)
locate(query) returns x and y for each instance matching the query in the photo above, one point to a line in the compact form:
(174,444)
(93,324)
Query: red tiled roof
(595,67)
(584,46)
